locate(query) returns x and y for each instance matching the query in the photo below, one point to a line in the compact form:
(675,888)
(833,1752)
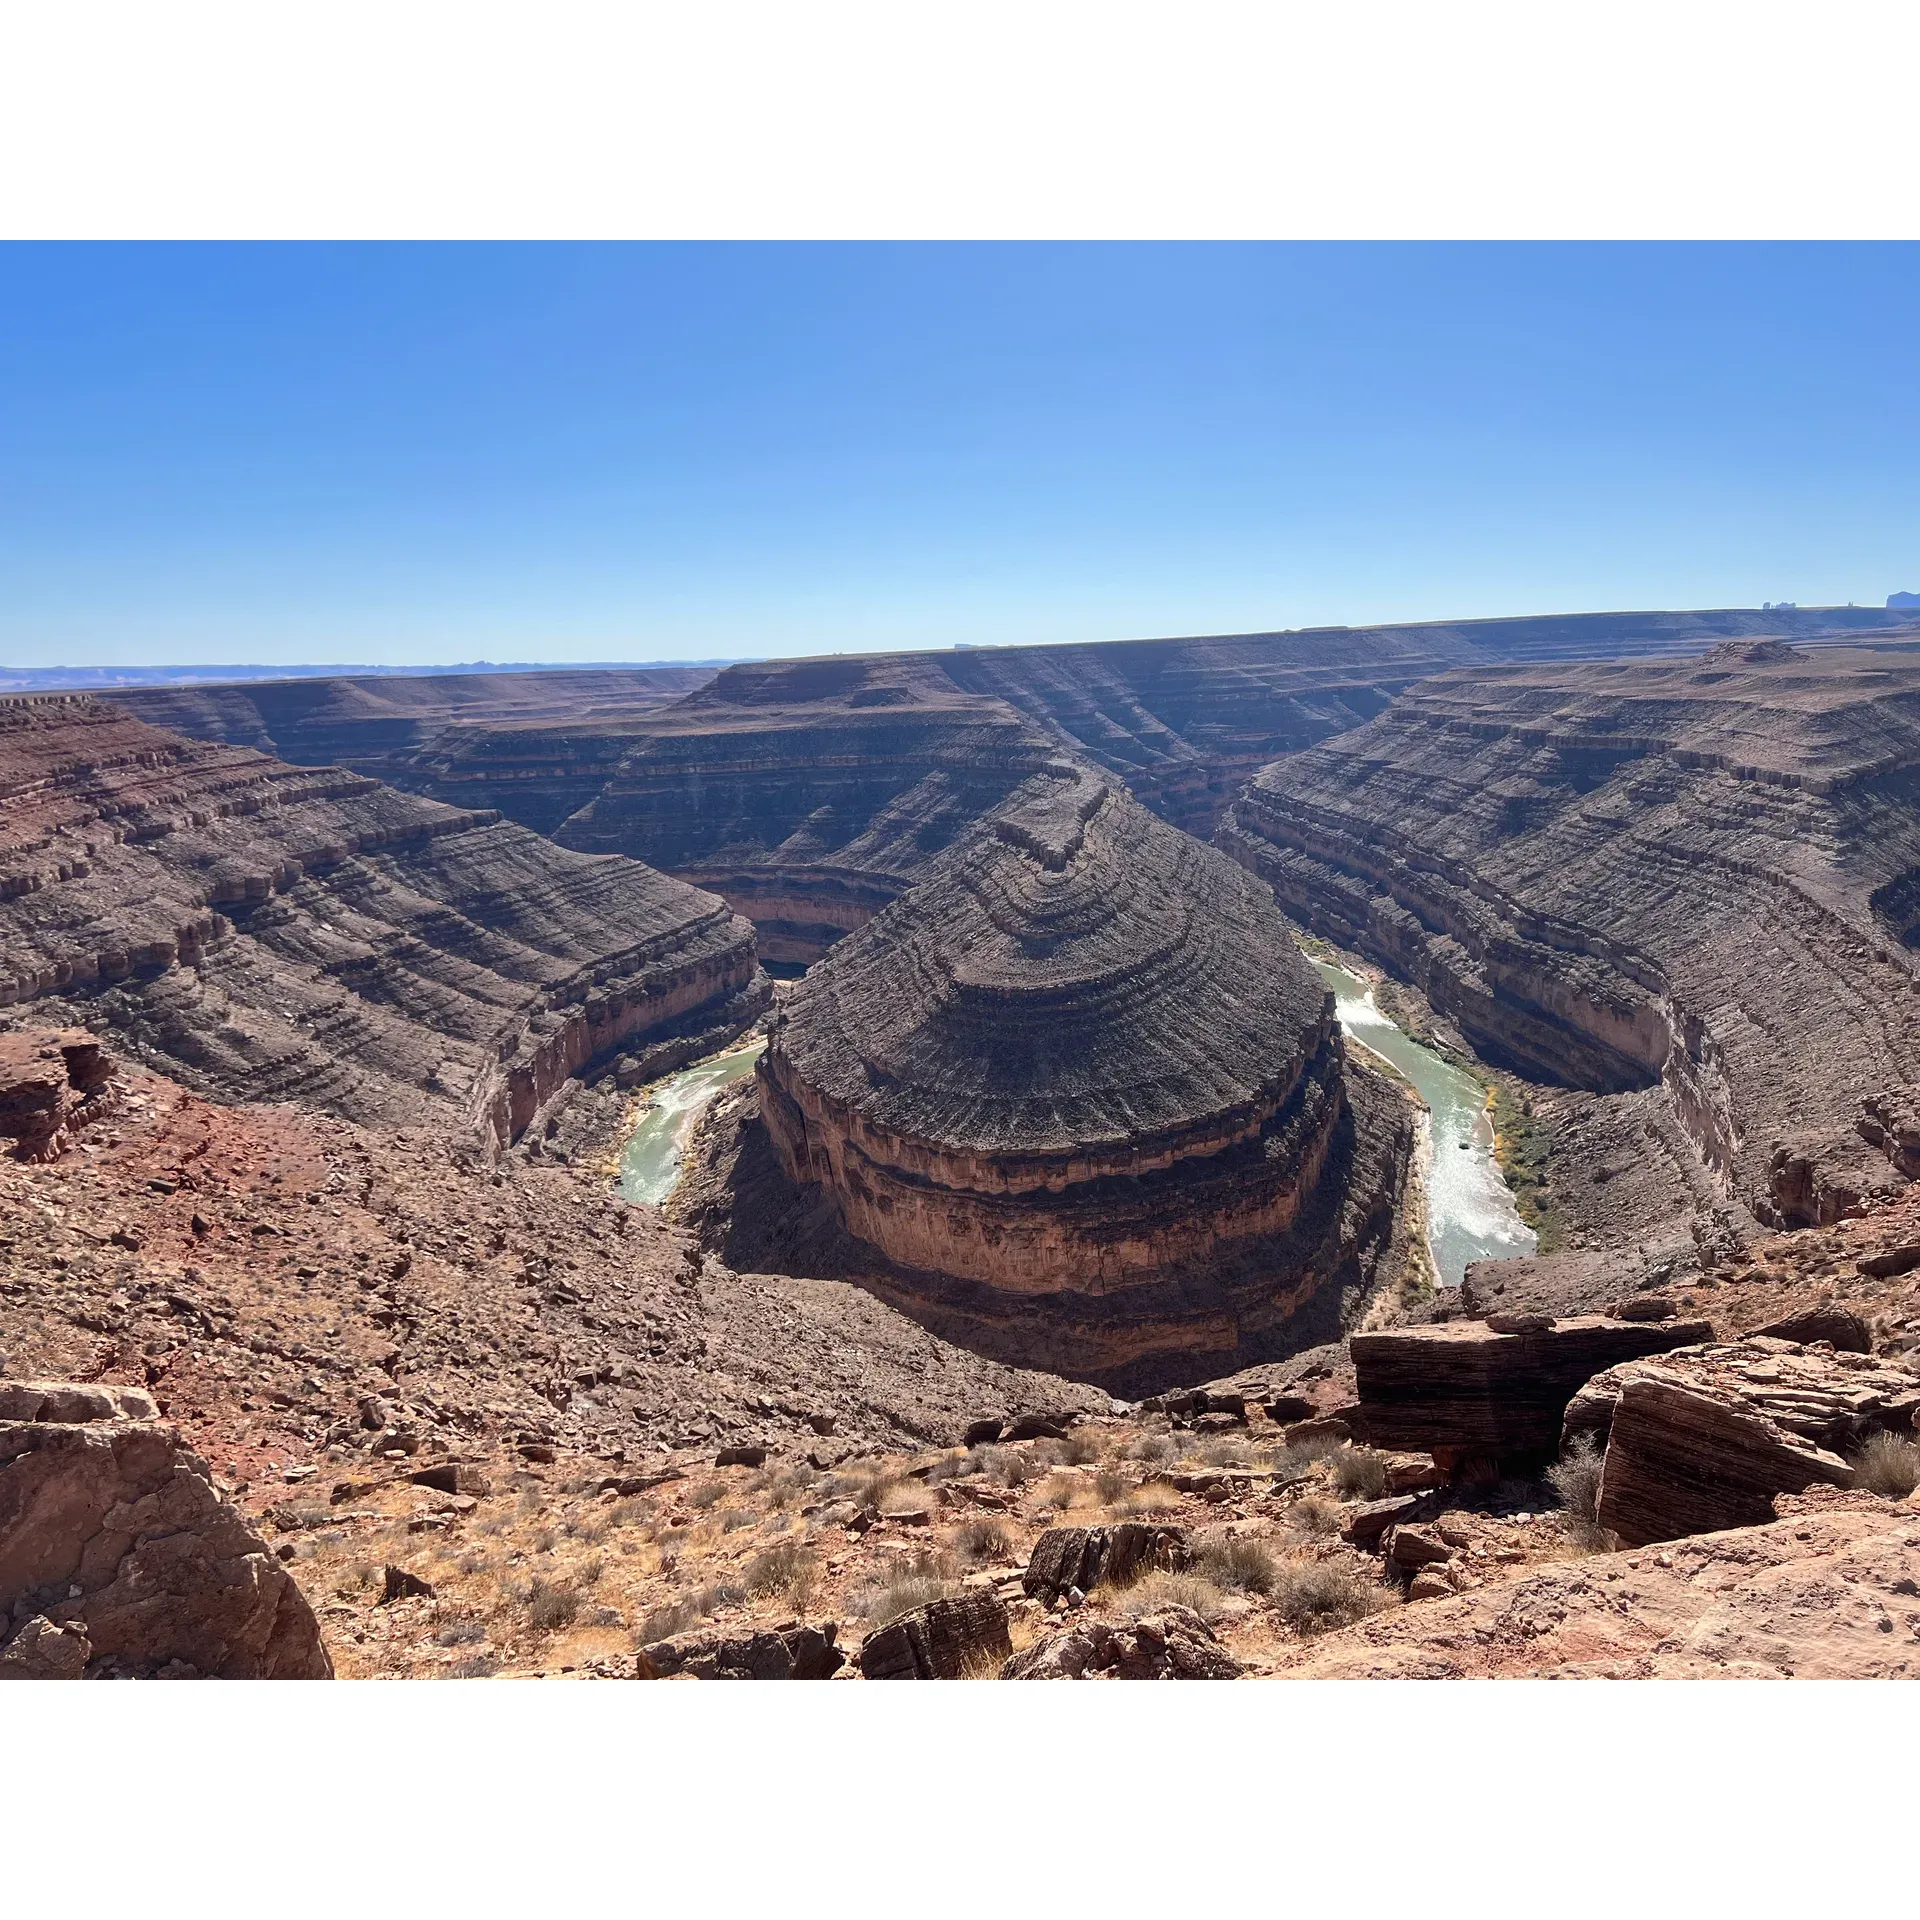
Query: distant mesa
(1903,599)
(1084,1096)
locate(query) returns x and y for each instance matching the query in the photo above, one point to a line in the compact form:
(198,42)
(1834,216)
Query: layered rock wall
(1654,876)
(282,933)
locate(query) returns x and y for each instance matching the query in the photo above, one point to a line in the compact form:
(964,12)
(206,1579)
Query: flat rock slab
(1823,1595)
(1463,1386)
(1704,1439)
(1070,1557)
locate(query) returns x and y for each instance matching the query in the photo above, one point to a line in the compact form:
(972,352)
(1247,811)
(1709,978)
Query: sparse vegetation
(1080,1448)
(1887,1465)
(460,1633)
(983,1541)
(787,1569)
(551,1606)
(1315,1596)
(1159,1589)
(1227,1451)
(1523,1146)
(1061,1490)
(1111,1485)
(1358,1473)
(708,1493)
(1314,1516)
(1152,1448)
(1237,1564)
(909,1583)
(1575,1477)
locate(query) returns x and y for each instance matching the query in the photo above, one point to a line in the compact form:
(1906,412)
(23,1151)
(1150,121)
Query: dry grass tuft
(787,1569)
(1159,1589)
(1358,1473)
(1887,1465)
(1239,1565)
(1316,1596)
(983,1542)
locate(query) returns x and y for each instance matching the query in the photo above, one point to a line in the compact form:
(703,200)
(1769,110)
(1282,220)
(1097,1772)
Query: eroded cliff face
(312,935)
(1081,1098)
(1661,882)
(810,793)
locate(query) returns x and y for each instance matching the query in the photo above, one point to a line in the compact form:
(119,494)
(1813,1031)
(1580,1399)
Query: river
(1470,1212)
(650,1161)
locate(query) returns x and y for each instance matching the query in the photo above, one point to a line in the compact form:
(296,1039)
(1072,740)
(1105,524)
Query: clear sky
(426,454)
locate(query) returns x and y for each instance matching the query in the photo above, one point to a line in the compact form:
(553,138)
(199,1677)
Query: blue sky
(424,454)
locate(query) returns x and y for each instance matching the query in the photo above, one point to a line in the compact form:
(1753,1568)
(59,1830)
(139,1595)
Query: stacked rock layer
(274,932)
(1081,1084)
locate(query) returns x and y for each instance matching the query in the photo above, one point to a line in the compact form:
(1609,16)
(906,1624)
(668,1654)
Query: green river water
(1470,1213)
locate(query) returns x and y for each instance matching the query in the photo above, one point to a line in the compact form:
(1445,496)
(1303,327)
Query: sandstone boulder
(1082,1557)
(1844,1331)
(117,1557)
(1463,1389)
(1704,1439)
(944,1640)
(1173,1644)
(53,1082)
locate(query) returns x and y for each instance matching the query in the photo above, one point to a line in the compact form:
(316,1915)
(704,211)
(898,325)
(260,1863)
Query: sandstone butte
(810,793)
(273,932)
(1684,889)
(1082,1093)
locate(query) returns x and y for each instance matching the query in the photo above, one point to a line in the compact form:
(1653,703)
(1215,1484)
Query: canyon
(1081,1094)
(1676,889)
(810,793)
(281,933)
(323,1003)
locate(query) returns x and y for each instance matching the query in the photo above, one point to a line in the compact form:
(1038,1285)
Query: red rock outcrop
(52,1085)
(281,933)
(1706,1437)
(1823,1595)
(1082,1082)
(118,1558)
(1470,1389)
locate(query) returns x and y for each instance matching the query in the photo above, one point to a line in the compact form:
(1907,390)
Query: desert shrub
(588,1572)
(1080,1448)
(1159,1589)
(460,1633)
(629,1513)
(983,1540)
(1152,1448)
(1887,1465)
(707,1494)
(590,1527)
(910,1582)
(1111,1485)
(1060,1490)
(545,1539)
(1319,1446)
(1153,1496)
(664,1622)
(789,1486)
(1313,1516)
(550,1606)
(732,1519)
(953,1466)
(1575,1477)
(1227,1450)
(1238,1565)
(1358,1473)
(1315,1596)
(476,1666)
(1010,1467)
(787,1568)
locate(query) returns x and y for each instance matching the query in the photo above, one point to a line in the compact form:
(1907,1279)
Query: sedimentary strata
(118,1559)
(274,932)
(809,793)
(1493,1391)
(1677,886)
(1081,1094)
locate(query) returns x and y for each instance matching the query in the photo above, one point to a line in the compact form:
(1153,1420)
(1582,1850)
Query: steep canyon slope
(1084,1101)
(809,793)
(1683,887)
(273,932)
